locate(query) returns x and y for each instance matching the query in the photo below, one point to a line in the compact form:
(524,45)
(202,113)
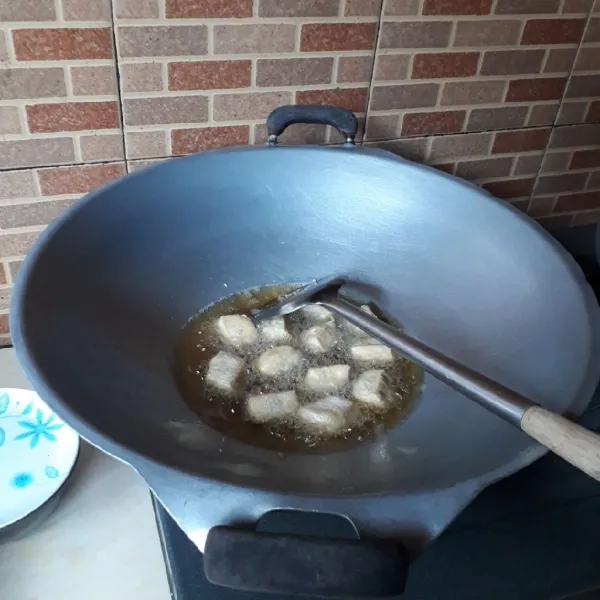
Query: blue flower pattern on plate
(2,436)
(22,480)
(4,400)
(52,472)
(38,429)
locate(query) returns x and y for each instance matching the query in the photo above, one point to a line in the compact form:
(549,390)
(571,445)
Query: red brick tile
(510,188)
(586,218)
(531,90)
(294,8)
(354,99)
(416,34)
(577,6)
(209,75)
(585,159)
(72,116)
(527,7)
(555,222)
(593,114)
(62,44)
(334,37)
(445,167)
(553,31)
(363,8)
(353,69)
(187,141)
(558,184)
(457,7)
(274,72)
(444,65)
(451,121)
(520,141)
(484,168)
(541,206)
(573,202)
(592,35)
(77,180)
(208,9)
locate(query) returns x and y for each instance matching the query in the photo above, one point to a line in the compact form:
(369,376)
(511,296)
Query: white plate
(37,453)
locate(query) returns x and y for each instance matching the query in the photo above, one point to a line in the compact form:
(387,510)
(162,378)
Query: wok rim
(141,461)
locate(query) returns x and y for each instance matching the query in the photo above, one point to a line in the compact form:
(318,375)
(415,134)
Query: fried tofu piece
(327,379)
(278,361)
(326,415)
(377,354)
(274,330)
(271,407)
(223,371)
(370,388)
(237,330)
(317,313)
(320,338)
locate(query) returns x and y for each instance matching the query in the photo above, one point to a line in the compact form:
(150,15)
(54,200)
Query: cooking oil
(199,342)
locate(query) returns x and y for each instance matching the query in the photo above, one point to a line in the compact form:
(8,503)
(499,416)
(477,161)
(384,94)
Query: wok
(104,293)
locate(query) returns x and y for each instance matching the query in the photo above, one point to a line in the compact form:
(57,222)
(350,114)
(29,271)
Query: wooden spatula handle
(570,441)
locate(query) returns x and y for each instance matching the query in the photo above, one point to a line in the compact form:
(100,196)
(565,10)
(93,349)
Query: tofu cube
(377,354)
(273,330)
(278,361)
(320,338)
(317,313)
(271,407)
(327,379)
(369,388)
(237,330)
(223,371)
(326,415)
(334,403)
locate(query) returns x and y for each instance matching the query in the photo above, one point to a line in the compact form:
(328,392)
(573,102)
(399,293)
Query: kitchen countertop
(100,543)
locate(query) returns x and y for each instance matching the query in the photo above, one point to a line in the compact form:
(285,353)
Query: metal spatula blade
(307,294)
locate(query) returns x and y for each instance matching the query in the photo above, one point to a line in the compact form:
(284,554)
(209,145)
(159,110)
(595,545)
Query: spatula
(574,443)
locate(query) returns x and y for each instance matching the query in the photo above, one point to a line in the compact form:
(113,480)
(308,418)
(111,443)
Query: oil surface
(199,342)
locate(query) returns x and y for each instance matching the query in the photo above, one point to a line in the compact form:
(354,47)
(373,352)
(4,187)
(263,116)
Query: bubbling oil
(199,342)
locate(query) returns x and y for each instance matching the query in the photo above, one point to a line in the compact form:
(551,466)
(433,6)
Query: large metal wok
(103,295)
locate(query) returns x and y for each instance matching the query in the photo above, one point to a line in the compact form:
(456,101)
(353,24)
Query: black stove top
(532,536)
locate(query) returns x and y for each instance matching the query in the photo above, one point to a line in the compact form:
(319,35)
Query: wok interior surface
(103,298)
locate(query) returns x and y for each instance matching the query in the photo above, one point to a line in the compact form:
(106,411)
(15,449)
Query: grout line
(119,87)
(562,100)
(164,75)
(335,70)
(60,18)
(253,74)
(371,85)
(210,41)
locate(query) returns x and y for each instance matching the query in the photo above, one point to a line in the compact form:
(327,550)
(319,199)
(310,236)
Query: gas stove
(532,536)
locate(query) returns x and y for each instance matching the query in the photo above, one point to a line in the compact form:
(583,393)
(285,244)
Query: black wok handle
(305,566)
(284,116)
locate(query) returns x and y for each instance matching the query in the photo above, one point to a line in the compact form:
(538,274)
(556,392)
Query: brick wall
(505,93)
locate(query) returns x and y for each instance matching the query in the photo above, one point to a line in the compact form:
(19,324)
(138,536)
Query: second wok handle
(570,441)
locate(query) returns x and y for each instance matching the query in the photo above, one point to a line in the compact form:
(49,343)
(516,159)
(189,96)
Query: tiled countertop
(101,542)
